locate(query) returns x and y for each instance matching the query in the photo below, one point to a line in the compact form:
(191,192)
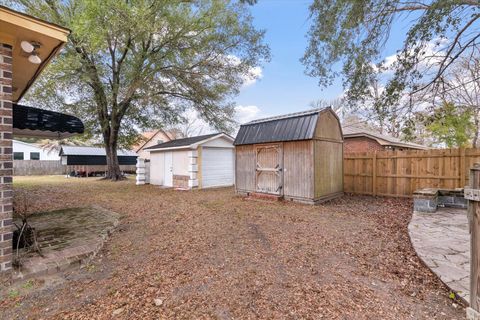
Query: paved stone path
(442,241)
(67,238)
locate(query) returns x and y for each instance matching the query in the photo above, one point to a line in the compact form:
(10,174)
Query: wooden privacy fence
(54,167)
(37,167)
(400,173)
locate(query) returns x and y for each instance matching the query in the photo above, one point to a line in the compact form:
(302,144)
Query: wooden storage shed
(297,156)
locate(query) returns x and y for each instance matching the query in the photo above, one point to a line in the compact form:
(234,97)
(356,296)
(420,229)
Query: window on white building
(18,156)
(34,155)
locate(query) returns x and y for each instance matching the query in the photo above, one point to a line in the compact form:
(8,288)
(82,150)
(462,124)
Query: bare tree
(190,125)
(353,33)
(461,87)
(338,105)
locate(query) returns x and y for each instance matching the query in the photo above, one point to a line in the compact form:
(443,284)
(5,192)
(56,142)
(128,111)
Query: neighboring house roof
(29,121)
(91,151)
(26,143)
(149,135)
(289,127)
(188,142)
(384,140)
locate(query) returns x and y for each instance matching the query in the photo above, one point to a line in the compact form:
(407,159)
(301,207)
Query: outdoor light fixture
(34,58)
(31,47)
(27,46)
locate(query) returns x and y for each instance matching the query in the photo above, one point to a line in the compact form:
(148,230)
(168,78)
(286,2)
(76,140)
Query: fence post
(374,173)
(472,193)
(462,167)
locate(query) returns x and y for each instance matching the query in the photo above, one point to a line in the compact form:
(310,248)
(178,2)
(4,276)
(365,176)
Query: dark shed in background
(91,159)
(297,156)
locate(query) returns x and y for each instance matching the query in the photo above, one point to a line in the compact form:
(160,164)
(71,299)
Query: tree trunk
(477,128)
(113,168)
(114,173)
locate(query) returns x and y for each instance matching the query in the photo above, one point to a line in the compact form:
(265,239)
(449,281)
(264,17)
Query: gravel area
(213,255)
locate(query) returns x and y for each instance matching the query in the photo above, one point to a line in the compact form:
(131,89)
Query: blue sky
(284,86)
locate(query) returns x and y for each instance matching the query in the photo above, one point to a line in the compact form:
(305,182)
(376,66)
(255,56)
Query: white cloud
(246,113)
(255,73)
(389,61)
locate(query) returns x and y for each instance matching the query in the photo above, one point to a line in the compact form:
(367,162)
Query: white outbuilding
(29,151)
(196,162)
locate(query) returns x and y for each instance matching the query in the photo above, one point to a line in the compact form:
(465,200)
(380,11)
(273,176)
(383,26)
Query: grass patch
(28,182)
(28,285)
(14,293)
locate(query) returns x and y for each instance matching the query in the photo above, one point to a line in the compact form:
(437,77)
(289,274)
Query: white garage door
(217,167)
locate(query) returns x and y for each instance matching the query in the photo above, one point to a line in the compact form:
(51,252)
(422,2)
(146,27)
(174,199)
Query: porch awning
(34,122)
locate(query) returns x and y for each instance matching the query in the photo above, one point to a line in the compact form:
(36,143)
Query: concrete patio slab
(67,237)
(442,240)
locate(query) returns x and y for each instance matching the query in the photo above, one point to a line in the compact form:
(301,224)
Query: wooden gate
(269,170)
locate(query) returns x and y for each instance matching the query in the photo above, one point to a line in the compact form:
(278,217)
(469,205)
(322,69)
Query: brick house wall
(6,163)
(180,181)
(361,144)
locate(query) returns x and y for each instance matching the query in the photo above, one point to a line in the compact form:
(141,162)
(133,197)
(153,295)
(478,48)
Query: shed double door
(269,169)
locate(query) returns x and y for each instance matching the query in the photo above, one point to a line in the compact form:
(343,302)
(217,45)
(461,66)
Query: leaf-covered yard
(210,254)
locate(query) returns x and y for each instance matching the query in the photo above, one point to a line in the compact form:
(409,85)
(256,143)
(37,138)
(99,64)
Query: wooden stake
(374,173)
(474,221)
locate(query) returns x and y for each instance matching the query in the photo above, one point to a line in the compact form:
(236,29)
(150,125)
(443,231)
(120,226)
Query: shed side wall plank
(328,168)
(298,169)
(245,168)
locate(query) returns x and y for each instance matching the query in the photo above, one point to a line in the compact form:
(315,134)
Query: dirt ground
(213,255)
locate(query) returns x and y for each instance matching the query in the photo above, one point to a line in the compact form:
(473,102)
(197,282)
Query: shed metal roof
(289,127)
(92,151)
(184,142)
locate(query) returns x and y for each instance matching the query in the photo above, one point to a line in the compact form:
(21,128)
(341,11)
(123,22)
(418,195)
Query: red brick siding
(361,144)
(6,191)
(180,181)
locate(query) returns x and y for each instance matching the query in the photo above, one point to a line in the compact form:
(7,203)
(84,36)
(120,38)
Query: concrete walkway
(442,241)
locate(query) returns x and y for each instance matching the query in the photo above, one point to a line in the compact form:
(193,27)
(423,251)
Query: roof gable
(147,137)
